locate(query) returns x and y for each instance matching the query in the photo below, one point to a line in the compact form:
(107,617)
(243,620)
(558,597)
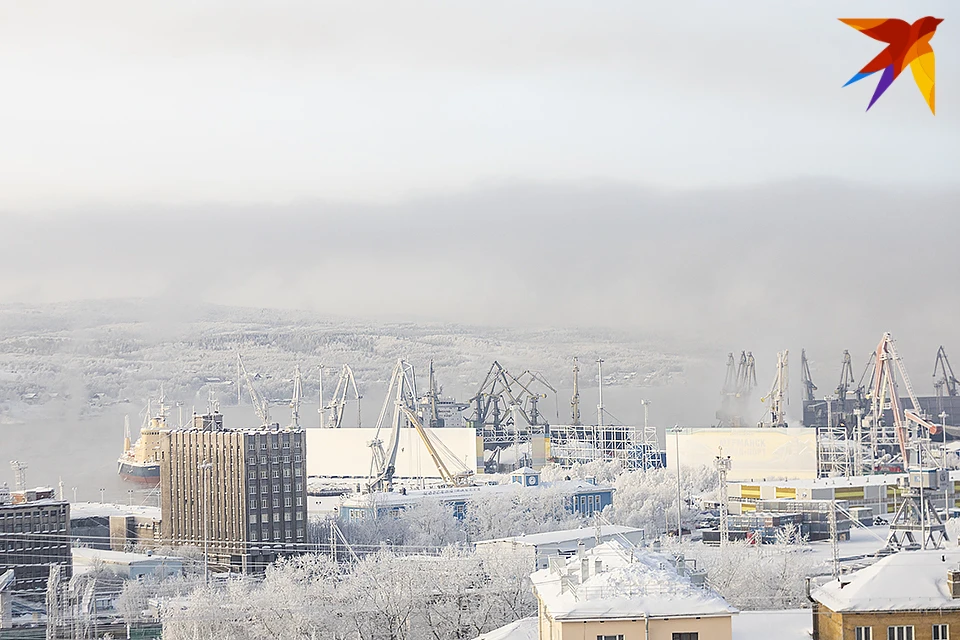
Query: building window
(276,473)
(286,487)
(276,517)
(276,503)
(286,517)
(299,515)
(298,471)
(902,632)
(299,533)
(263,446)
(693,635)
(286,459)
(253,460)
(275,445)
(253,518)
(296,458)
(286,444)
(264,503)
(300,504)
(263,488)
(299,486)
(941,632)
(263,474)
(620,637)
(263,459)
(286,472)
(286,502)
(863,633)
(253,535)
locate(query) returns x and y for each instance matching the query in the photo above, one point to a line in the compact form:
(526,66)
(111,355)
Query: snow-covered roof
(631,583)
(904,581)
(523,629)
(565,535)
(107,509)
(791,624)
(85,555)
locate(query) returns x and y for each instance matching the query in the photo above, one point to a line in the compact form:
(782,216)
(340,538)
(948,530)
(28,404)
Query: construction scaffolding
(634,447)
(835,453)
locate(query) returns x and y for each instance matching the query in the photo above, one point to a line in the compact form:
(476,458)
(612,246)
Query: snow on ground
(524,629)
(790,624)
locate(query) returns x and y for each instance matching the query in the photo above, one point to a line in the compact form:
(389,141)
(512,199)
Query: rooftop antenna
(575,400)
(600,405)
(19,474)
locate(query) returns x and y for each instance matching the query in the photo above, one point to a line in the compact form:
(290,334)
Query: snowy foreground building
(911,595)
(540,547)
(614,592)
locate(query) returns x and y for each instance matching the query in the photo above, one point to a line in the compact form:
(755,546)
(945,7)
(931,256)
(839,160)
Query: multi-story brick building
(910,595)
(244,491)
(34,534)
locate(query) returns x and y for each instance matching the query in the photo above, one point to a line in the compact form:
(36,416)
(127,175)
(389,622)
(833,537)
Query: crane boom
(403,393)
(448,477)
(260,404)
(808,387)
(296,399)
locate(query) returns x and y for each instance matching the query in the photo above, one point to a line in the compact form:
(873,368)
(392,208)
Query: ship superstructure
(140,462)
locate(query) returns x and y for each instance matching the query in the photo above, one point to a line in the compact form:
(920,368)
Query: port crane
(947,382)
(296,398)
(402,392)
(502,396)
(260,404)
(779,395)
(338,403)
(808,387)
(885,393)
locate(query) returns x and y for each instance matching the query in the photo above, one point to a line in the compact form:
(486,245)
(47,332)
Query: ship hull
(147,474)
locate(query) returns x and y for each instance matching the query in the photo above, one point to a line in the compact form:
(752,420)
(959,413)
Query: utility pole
(575,400)
(676,431)
(723,465)
(833,539)
(600,405)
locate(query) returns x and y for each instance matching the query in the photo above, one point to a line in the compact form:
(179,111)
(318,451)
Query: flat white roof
(564,535)
(86,554)
(904,581)
(107,509)
(632,583)
(790,624)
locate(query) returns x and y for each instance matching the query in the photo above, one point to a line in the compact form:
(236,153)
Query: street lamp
(203,468)
(676,432)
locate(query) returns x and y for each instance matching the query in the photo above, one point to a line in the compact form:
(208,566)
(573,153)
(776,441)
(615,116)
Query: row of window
(265,503)
(275,444)
(266,535)
(903,632)
(276,517)
(252,460)
(265,488)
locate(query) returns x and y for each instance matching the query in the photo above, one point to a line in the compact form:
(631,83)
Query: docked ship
(140,462)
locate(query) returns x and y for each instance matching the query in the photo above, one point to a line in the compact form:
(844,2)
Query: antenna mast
(295,401)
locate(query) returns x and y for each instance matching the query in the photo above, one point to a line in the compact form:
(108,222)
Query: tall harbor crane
(502,396)
(946,382)
(808,387)
(338,403)
(846,378)
(260,404)
(296,398)
(19,474)
(885,392)
(402,392)
(779,395)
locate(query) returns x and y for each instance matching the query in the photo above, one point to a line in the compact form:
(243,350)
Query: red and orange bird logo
(907,44)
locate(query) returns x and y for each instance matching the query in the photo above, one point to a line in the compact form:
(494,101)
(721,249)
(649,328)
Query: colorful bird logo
(906,44)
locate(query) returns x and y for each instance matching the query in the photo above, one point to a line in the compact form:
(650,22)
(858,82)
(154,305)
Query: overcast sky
(120,104)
